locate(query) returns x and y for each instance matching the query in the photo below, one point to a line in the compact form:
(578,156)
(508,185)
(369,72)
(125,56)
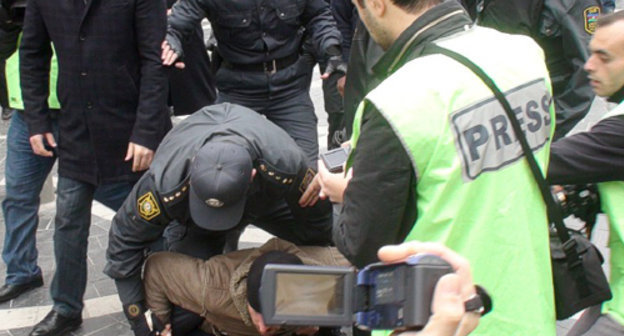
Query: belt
(269,67)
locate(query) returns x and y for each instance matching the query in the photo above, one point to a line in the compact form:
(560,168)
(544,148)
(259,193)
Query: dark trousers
(71,236)
(293,113)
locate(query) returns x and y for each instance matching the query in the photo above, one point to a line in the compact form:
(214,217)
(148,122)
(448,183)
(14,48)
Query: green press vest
(475,191)
(612,201)
(13,82)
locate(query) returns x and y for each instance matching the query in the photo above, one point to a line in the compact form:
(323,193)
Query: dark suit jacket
(111,84)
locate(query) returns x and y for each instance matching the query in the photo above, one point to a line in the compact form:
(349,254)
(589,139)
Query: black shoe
(55,324)
(9,292)
(7,113)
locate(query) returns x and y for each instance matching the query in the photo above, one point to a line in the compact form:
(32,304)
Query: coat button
(82,37)
(83,74)
(89,105)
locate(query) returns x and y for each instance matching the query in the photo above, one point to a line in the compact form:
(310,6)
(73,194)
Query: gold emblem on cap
(214,203)
(148,207)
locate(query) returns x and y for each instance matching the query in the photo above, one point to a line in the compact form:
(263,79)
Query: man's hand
(334,64)
(142,156)
(449,315)
(165,332)
(311,194)
(169,56)
(332,185)
(340,85)
(38,141)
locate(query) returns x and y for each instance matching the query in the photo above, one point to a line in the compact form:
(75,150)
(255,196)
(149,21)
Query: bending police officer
(222,167)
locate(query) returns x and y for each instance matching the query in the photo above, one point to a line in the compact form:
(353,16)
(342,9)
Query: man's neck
(617,97)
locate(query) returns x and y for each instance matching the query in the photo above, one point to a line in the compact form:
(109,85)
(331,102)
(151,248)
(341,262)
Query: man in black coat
(112,89)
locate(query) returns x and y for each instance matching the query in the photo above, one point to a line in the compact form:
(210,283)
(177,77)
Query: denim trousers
(71,233)
(25,174)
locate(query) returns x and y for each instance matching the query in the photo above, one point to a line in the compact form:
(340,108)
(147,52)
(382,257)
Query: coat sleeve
(185,16)
(318,20)
(589,157)
(565,34)
(152,115)
(35,55)
(346,18)
(379,204)
(131,232)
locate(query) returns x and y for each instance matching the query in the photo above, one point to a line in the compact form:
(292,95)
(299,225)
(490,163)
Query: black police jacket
(161,195)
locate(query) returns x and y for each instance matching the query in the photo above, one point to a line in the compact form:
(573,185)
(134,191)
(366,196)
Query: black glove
(335,64)
(135,313)
(176,45)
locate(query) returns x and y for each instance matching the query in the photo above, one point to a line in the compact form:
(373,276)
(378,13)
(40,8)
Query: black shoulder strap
(554,211)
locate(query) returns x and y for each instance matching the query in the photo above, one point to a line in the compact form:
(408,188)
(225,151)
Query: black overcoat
(111,84)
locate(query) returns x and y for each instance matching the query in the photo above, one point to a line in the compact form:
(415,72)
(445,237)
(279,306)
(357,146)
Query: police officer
(259,43)
(220,168)
(563,29)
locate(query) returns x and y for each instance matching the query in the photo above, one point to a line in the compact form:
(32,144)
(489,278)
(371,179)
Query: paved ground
(102,315)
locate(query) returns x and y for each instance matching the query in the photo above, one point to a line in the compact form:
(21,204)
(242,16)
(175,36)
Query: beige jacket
(217,288)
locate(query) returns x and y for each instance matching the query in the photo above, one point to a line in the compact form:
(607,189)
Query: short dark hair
(254,276)
(609,19)
(415,6)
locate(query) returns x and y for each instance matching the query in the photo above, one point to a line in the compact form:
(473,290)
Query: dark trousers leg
(294,114)
(71,233)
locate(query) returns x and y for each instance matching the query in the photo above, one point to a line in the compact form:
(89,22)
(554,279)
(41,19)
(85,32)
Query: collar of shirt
(441,20)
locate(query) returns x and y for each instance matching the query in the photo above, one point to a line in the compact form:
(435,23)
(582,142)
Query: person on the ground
(434,157)
(597,156)
(229,285)
(261,67)
(218,170)
(112,92)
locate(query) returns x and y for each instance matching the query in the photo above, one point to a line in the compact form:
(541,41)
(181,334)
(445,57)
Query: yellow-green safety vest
(475,191)
(13,82)
(612,202)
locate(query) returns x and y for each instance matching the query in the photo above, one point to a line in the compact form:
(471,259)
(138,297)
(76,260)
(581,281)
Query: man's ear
(377,7)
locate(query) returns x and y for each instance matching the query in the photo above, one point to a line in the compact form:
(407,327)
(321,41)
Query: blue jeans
(25,175)
(71,233)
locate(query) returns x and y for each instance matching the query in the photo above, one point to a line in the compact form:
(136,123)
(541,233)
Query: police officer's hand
(311,194)
(142,156)
(38,141)
(452,290)
(171,53)
(340,85)
(335,64)
(165,332)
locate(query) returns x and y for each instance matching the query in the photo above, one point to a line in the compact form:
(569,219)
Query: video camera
(381,296)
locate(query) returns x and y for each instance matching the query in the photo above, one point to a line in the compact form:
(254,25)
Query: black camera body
(580,201)
(381,296)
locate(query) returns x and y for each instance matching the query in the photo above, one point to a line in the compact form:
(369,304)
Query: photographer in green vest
(435,159)
(597,156)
